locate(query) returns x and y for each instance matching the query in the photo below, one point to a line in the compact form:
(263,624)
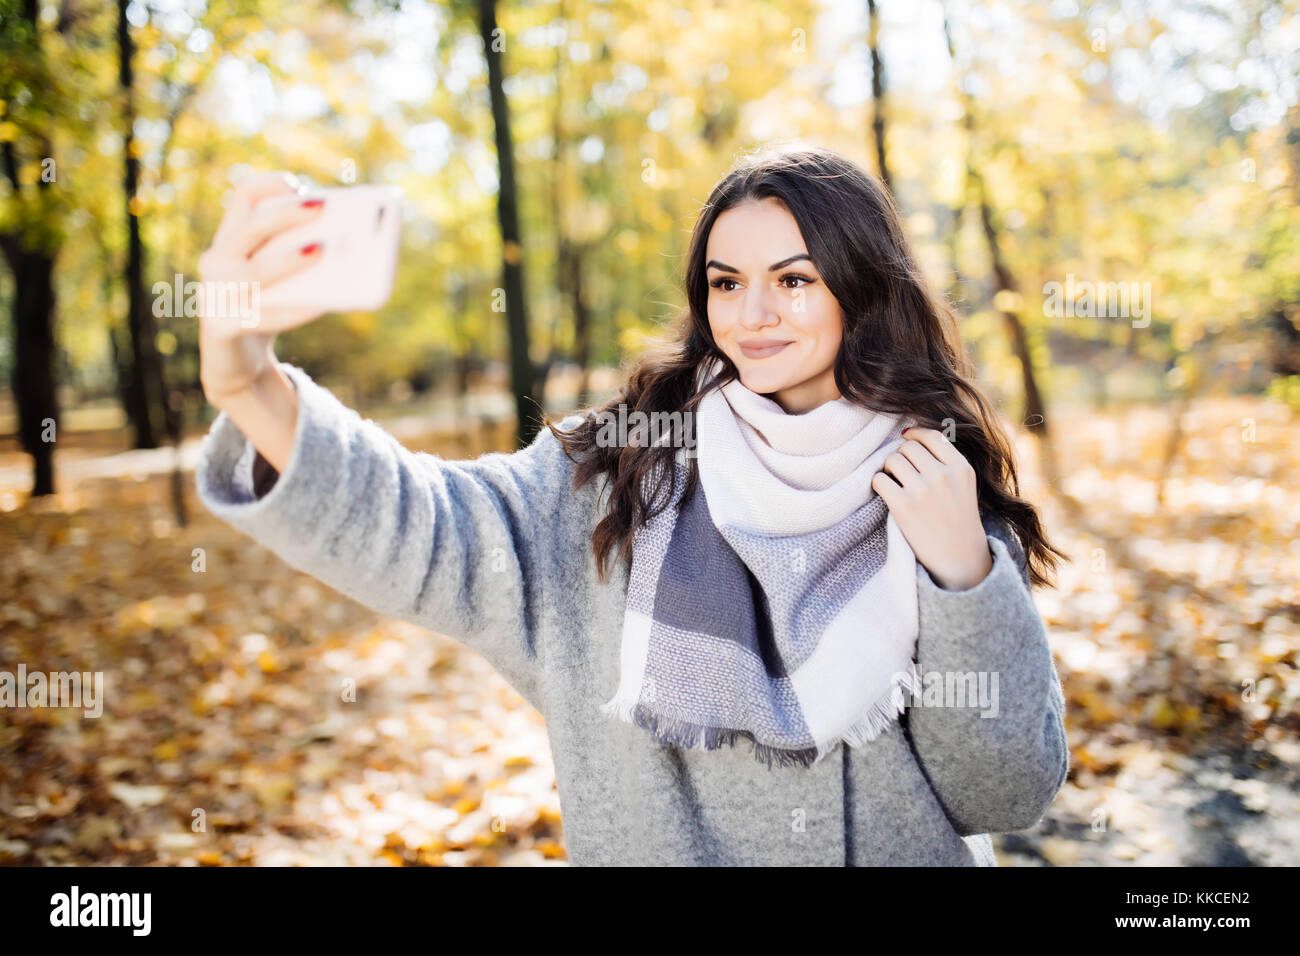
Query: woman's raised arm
(470,549)
(464,548)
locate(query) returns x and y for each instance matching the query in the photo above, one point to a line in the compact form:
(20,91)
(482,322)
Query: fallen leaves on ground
(226,738)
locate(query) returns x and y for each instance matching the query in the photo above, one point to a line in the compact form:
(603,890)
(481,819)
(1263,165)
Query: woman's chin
(765,381)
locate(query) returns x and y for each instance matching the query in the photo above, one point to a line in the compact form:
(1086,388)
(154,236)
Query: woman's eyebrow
(715,264)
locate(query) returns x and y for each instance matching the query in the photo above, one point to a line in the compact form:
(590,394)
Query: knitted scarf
(780,603)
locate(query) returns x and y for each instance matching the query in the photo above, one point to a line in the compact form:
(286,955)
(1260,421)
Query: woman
(797,571)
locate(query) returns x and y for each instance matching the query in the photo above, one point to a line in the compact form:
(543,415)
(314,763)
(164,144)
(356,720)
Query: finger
(242,299)
(936,442)
(902,469)
(273,321)
(273,216)
(247,193)
(266,323)
(920,456)
(886,487)
(267,267)
(254,187)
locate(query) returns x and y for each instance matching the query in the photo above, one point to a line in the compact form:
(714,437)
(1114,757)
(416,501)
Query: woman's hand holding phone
(234,349)
(237,366)
(286,257)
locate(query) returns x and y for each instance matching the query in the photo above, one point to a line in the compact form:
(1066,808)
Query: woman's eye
(798,282)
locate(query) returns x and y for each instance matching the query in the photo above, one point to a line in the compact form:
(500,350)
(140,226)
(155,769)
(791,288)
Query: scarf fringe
(672,731)
(675,732)
(879,715)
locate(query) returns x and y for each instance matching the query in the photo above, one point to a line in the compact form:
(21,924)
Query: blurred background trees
(553,156)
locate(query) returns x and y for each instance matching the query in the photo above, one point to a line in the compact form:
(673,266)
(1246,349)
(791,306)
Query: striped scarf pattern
(780,604)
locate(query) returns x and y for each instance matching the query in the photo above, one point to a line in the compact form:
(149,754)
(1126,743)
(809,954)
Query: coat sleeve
(459,547)
(999,772)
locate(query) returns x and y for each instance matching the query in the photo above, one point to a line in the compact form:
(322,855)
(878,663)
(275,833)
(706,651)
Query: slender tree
(1004,280)
(877,93)
(570,253)
(145,393)
(32,243)
(526,383)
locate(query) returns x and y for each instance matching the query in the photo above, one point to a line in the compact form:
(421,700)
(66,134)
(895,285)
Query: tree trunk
(145,393)
(581,327)
(568,255)
(33,372)
(1284,356)
(526,384)
(32,308)
(1035,417)
(877,93)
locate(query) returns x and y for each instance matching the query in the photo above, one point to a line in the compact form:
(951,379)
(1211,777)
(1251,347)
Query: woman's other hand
(931,492)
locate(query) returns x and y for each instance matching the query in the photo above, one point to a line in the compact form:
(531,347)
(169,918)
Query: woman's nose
(758,310)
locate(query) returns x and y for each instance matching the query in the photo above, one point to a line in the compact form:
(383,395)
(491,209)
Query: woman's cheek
(819,308)
(827,312)
(727,316)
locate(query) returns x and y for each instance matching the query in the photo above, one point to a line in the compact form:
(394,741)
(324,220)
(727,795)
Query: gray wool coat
(495,552)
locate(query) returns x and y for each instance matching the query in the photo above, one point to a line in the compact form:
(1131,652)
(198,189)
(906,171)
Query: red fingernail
(311,203)
(309,249)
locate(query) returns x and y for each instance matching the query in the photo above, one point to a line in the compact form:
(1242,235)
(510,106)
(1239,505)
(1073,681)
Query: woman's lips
(763,351)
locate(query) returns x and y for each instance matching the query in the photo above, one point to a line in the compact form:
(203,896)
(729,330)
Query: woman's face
(764,287)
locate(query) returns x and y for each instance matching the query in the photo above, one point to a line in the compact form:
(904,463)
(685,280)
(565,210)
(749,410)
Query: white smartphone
(360,228)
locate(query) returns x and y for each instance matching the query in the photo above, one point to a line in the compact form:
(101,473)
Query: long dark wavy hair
(901,351)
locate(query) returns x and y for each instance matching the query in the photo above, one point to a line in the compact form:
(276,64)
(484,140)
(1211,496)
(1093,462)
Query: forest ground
(1175,627)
